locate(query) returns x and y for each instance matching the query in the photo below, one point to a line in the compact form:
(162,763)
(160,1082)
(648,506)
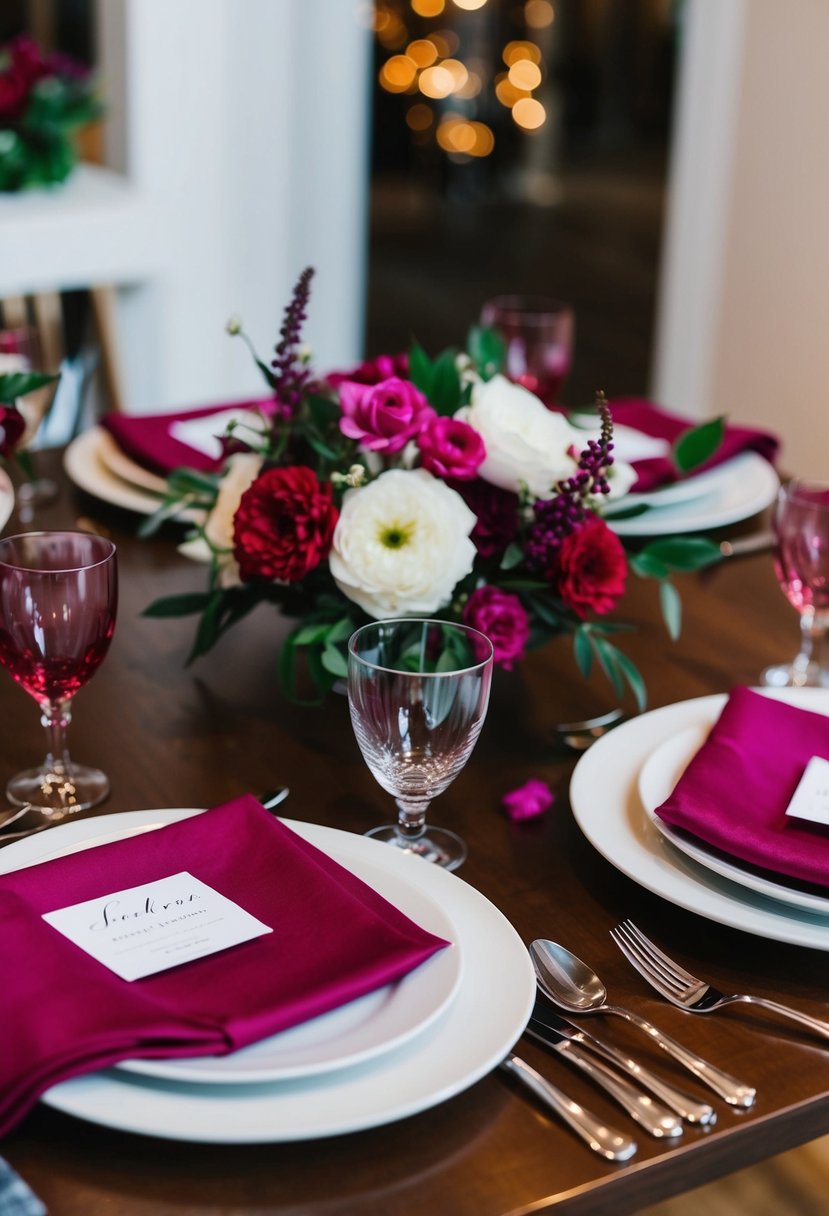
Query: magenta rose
(383,417)
(12,426)
(373,370)
(529,800)
(451,448)
(501,616)
(283,525)
(592,568)
(496,515)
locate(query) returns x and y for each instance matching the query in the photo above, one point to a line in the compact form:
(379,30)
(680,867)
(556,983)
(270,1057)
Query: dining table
(174,735)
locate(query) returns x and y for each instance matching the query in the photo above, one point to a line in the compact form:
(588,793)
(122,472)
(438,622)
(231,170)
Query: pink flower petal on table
(529,800)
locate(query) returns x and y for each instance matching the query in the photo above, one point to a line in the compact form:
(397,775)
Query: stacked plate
(390,1054)
(735,490)
(615,790)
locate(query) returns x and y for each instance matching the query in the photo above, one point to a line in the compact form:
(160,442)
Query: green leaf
(341,630)
(307,635)
(682,552)
(671,606)
(445,394)
(334,660)
(178,605)
(487,350)
(647,566)
(583,651)
(634,680)
(208,629)
(513,556)
(420,368)
(695,446)
(18,384)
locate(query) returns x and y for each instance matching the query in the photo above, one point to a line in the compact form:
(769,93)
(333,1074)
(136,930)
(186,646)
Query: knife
(656,1119)
(546,1025)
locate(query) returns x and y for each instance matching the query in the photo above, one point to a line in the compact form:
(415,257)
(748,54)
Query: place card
(149,928)
(810,800)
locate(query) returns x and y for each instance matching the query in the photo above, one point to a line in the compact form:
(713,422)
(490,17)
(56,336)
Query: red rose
(12,426)
(592,568)
(283,525)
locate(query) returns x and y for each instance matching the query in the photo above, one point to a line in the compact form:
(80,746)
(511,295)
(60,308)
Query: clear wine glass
(801,561)
(418,692)
(538,333)
(58,598)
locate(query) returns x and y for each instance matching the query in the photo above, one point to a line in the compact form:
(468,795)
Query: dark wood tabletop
(173,736)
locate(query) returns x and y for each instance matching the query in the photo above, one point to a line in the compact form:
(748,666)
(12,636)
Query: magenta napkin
(334,939)
(147,440)
(652,420)
(734,793)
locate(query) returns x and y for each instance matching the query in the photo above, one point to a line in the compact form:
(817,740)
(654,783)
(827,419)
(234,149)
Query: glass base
(438,845)
(58,791)
(791,675)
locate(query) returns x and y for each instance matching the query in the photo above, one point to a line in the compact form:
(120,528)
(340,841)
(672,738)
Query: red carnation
(592,568)
(283,525)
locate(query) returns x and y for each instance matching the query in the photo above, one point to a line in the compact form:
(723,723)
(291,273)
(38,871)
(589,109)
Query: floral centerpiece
(418,486)
(20,414)
(44,100)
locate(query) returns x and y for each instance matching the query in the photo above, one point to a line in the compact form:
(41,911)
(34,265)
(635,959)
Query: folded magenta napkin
(64,1013)
(148,440)
(659,424)
(734,793)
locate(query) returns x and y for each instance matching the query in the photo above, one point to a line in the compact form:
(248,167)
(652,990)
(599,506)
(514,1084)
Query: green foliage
(437,379)
(18,384)
(696,445)
(590,642)
(487,350)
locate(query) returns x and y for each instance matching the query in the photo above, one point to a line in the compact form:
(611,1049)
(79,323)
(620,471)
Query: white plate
(488,1014)
(732,491)
(6,498)
(659,775)
(606,804)
(119,463)
(85,464)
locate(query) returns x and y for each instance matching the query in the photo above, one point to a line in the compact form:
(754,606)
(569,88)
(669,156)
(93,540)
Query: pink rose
(501,616)
(528,800)
(383,417)
(451,448)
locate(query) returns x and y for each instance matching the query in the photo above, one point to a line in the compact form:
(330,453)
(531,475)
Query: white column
(244,129)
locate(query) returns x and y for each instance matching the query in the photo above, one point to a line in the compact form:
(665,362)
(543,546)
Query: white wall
(745,276)
(243,129)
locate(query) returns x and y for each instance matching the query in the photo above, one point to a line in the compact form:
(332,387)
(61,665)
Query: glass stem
(55,717)
(411,817)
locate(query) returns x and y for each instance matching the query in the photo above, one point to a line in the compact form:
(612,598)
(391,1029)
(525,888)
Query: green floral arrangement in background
(44,101)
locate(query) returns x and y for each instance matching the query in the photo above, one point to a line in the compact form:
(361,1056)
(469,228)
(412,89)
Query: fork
(681,988)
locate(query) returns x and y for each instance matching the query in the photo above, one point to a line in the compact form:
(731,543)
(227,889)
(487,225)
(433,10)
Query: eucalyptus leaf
(583,651)
(178,605)
(334,660)
(513,556)
(671,605)
(682,552)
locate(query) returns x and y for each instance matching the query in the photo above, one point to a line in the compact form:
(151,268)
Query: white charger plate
(604,794)
(489,1011)
(659,775)
(732,491)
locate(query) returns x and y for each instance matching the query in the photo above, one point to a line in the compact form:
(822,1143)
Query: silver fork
(681,988)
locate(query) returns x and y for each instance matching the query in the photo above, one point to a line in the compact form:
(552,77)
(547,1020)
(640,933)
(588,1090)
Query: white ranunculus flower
(242,470)
(402,544)
(525,442)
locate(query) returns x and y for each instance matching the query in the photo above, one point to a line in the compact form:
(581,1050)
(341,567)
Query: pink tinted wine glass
(801,561)
(58,598)
(418,692)
(538,338)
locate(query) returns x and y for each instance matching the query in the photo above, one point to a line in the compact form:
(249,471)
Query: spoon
(572,985)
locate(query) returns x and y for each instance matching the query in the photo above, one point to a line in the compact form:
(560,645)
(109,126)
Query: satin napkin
(650,419)
(334,939)
(734,793)
(150,441)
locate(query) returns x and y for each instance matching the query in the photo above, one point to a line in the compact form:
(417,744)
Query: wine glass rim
(795,487)
(419,620)
(56,533)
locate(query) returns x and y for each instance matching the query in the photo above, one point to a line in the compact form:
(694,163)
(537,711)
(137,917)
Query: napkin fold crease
(334,939)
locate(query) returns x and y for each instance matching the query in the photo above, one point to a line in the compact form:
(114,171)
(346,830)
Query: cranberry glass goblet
(538,335)
(418,692)
(801,561)
(58,597)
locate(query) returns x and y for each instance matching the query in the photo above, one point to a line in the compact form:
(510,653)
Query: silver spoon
(572,985)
